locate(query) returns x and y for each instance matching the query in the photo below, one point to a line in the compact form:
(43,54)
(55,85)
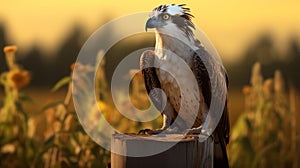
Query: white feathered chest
(177,80)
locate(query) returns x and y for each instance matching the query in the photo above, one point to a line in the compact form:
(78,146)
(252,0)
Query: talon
(174,130)
(145,132)
(150,132)
(194,130)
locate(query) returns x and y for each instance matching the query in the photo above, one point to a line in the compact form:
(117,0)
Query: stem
(293,125)
(10,60)
(69,95)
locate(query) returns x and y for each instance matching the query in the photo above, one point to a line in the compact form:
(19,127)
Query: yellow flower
(10,49)
(103,107)
(18,78)
(246,90)
(10,56)
(105,111)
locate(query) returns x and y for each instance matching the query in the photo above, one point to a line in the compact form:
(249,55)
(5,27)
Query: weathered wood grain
(187,153)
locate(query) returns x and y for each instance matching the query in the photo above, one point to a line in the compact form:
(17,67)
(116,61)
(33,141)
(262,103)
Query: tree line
(46,72)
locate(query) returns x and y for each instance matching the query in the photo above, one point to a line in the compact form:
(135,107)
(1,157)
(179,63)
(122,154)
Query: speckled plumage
(184,69)
(178,60)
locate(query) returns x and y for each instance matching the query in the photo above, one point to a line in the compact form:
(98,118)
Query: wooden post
(187,153)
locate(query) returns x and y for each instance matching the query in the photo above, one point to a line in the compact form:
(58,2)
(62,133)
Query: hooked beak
(151,23)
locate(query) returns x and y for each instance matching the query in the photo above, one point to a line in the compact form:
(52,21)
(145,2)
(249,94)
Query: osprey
(165,69)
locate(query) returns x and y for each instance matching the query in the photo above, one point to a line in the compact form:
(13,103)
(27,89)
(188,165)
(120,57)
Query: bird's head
(168,18)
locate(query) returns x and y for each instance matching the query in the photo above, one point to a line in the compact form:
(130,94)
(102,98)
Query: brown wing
(222,131)
(203,80)
(150,78)
(202,76)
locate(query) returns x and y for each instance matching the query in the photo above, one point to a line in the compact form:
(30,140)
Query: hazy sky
(230,24)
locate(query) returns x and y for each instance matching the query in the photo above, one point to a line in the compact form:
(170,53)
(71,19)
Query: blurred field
(39,127)
(236,105)
(42,96)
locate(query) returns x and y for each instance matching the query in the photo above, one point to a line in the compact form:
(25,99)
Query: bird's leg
(167,114)
(196,130)
(166,124)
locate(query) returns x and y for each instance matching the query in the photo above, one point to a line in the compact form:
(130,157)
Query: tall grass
(63,142)
(265,133)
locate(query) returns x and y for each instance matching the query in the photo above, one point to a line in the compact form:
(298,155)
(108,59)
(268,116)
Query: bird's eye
(166,16)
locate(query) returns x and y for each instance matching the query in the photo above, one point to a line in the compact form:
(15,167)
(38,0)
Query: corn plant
(17,145)
(60,141)
(264,135)
(65,144)
(69,145)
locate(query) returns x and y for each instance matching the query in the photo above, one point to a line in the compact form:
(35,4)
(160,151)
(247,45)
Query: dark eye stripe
(186,14)
(184,25)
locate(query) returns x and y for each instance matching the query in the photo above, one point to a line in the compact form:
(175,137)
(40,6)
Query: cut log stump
(187,153)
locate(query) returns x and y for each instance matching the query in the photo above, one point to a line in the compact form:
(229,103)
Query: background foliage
(263,105)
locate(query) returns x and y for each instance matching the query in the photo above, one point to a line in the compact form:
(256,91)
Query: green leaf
(3,80)
(261,153)
(25,98)
(61,83)
(8,141)
(249,124)
(52,104)
(48,144)
(24,113)
(20,108)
